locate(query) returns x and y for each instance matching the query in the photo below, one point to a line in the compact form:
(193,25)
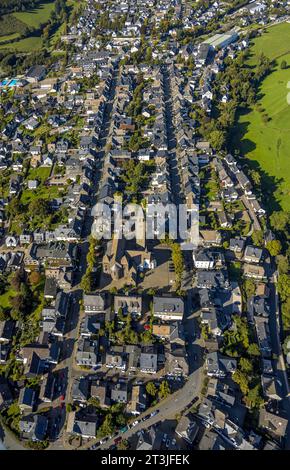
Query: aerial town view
(144,226)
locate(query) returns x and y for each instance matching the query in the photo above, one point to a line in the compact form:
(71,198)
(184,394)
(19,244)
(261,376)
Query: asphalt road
(178,401)
(168,409)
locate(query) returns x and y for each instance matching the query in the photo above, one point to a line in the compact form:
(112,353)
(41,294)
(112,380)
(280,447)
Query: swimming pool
(9,83)
(13,82)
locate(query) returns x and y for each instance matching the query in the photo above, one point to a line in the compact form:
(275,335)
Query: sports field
(266,144)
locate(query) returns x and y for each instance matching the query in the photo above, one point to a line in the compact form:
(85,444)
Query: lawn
(37,16)
(10,37)
(266,144)
(30,44)
(5,298)
(33,18)
(41,174)
(274,42)
(10,25)
(45,192)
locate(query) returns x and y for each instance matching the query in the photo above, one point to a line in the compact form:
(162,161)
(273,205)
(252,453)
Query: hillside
(265,143)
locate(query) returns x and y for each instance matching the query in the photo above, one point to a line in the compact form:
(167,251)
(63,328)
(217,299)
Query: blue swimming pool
(13,82)
(9,83)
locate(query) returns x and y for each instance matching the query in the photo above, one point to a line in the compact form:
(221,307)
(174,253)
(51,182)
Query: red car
(117,440)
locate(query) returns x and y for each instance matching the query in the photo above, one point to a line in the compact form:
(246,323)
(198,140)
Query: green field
(10,37)
(266,145)
(36,17)
(43,192)
(5,298)
(9,26)
(30,44)
(31,18)
(274,42)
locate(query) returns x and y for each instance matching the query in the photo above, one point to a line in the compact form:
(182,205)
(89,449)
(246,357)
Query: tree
(121,420)
(263,67)
(286,313)
(256,177)
(283,286)
(283,264)
(246,365)
(283,65)
(87,282)
(13,410)
(3,315)
(257,238)
(241,379)
(146,337)
(3,285)
(280,220)
(286,345)
(16,280)
(236,341)
(249,288)
(123,445)
(14,207)
(148,54)
(34,278)
(151,389)
(151,292)
(164,390)
(253,350)
(94,401)
(18,304)
(274,247)
(39,207)
(107,427)
(217,139)
(254,399)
